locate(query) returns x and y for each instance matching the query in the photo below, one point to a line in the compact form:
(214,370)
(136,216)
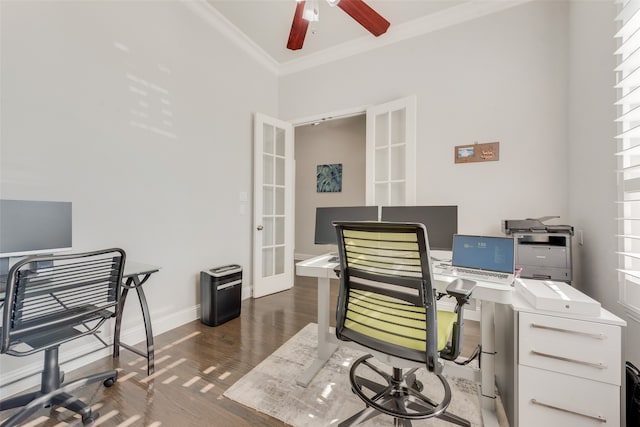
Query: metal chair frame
(381,260)
(51,300)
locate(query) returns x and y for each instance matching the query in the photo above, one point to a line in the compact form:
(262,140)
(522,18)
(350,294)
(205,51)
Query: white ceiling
(264,25)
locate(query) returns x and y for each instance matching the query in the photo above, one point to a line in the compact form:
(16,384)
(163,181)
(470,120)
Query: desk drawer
(552,399)
(574,347)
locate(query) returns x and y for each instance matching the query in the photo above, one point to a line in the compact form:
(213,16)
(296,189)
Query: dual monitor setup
(441,221)
(482,253)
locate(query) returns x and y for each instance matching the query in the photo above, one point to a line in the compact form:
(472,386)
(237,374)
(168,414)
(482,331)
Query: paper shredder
(221,294)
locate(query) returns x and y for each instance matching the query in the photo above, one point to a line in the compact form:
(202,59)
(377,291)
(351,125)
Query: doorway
(386,134)
(327,142)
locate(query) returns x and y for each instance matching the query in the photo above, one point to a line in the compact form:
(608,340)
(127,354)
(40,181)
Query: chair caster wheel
(90,419)
(110,381)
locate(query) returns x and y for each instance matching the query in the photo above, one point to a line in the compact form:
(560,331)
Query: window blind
(628,151)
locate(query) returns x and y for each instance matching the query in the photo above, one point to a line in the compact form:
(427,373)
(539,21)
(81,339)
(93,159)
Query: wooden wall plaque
(485,152)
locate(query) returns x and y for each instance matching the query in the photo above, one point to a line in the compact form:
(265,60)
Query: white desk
(487,293)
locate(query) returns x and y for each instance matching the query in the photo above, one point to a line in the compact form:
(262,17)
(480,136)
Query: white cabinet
(568,370)
(557,369)
(574,347)
(550,399)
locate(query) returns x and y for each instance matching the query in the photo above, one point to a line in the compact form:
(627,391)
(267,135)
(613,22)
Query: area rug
(271,388)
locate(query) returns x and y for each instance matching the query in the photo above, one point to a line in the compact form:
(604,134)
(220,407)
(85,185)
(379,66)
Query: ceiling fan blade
(365,15)
(298,29)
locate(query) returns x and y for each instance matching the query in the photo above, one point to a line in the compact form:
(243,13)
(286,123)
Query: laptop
(489,259)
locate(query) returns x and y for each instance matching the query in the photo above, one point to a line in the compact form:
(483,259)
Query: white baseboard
(246,292)
(74,356)
(162,324)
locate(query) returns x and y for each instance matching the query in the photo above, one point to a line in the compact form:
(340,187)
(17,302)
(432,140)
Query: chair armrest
(461,289)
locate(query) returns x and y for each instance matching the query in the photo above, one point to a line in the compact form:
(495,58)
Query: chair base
(52,393)
(399,395)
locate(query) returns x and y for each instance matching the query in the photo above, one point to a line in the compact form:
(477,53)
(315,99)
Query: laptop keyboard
(481,273)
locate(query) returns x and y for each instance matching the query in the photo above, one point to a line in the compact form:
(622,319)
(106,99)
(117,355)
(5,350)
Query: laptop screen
(483,253)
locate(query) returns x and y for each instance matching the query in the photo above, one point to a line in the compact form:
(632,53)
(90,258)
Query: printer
(534,225)
(542,251)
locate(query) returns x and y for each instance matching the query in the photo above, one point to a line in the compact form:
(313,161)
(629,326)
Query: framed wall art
(329,178)
(486,152)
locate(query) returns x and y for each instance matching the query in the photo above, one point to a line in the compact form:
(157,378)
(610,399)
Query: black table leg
(147,326)
(134,282)
(116,335)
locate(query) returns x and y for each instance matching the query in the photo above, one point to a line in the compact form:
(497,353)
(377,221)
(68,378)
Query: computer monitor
(441,222)
(325,231)
(29,227)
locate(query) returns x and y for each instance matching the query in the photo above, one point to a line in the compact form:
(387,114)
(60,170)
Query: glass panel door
(273,206)
(391,170)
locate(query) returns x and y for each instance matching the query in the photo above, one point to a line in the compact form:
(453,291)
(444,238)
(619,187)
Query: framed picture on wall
(486,152)
(329,178)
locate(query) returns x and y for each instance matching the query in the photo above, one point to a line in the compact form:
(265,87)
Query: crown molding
(455,15)
(219,22)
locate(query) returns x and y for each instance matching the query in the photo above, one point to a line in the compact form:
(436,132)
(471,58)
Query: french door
(391,153)
(273,206)
(390,171)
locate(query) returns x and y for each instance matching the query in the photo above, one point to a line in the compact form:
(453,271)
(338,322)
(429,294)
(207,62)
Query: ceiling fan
(308,11)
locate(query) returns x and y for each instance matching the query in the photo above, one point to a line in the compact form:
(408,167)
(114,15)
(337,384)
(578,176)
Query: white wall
(592,168)
(72,130)
(335,141)
(501,78)
(591,130)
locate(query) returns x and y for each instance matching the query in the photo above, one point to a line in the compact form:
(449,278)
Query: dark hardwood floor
(196,363)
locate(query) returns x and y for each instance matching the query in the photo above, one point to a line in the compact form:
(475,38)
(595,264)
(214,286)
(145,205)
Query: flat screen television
(325,232)
(30,227)
(441,222)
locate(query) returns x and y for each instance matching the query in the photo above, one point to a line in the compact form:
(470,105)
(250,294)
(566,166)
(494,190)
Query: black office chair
(387,304)
(51,300)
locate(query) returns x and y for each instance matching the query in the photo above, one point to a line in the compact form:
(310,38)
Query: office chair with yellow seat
(51,300)
(387,304)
